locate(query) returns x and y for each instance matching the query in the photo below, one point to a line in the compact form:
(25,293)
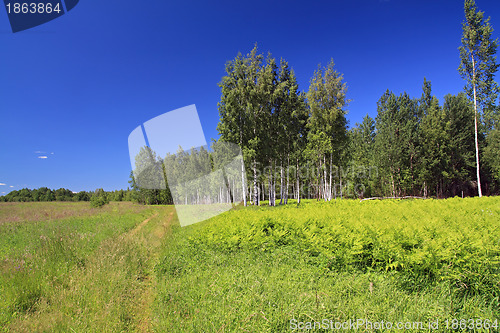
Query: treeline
(422,148)
(195,176)
(46,194)
(298,144)
(150,195)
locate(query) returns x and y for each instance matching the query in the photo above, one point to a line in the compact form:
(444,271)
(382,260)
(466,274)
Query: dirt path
(142,224)
(147,297)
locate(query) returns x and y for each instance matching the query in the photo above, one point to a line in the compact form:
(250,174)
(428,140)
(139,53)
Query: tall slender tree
(361,143)
(327,100)
(435,142)
(478,66)
(237,108)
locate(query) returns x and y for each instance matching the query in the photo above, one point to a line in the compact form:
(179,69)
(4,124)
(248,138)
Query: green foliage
(97,201)
(361,159)
(435,149)
(397,143)
(492,150)
(254,269)
(327,101)
(151,186)
(459,119)
(454,240)
(477,54)
(327,125)
(44,194)
(262,110)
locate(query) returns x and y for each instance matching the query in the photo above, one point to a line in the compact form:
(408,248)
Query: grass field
(65,267)
(256,269)
(89,271)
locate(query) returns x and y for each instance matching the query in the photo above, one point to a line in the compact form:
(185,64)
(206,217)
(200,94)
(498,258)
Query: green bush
(98,201)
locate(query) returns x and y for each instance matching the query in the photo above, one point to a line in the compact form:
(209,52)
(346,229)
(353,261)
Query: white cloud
(1,184)
(42,157)
(3,192)
(11,186)
(39,152)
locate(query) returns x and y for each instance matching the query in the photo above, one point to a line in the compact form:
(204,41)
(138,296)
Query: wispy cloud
(43,154)
(2,184)
(11,186)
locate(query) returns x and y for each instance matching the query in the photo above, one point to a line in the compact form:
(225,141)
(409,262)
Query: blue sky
(73,89)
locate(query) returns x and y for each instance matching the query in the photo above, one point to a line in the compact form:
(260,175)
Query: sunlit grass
(78,273)
(255,269)
(46,211)
(125,268)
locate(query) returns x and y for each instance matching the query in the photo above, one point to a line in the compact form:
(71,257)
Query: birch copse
(237,107)
(327,101)
(262,110)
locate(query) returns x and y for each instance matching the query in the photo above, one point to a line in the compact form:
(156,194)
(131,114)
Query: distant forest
(62,194)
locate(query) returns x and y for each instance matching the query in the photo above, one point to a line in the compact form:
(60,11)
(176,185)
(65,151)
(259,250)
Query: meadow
(255,269)
(66,267)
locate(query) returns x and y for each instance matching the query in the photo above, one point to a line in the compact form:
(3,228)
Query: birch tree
(478,66)
(327,101)
(237,110)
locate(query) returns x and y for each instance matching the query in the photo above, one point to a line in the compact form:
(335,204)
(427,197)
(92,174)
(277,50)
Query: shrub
(98,201)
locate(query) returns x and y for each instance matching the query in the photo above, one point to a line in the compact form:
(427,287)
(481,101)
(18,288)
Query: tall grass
(60,270)
(46,211)
(257,268)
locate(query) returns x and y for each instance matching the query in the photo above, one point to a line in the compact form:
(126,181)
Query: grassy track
(81,274)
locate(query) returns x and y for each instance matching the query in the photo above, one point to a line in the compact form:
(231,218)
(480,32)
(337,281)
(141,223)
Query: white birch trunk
(480,192)
(330,186)
(325,190)
(282,180)
(287,178)
(255,194)
(298,182)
